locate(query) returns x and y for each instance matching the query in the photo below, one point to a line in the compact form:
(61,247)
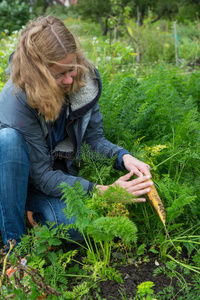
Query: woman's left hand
(139,168)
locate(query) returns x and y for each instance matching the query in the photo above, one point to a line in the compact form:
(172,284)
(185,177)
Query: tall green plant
(95,226)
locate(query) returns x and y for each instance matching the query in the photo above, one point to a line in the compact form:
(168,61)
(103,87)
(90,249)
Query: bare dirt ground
(135,274)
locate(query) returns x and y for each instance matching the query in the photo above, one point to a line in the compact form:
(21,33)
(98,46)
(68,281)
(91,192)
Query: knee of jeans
(61,219)
(12,141)
(74,234)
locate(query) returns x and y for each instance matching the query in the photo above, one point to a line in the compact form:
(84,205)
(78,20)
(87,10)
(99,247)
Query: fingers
(134,200)
(147,167)
(142,180)
(143,169)
(140,186)
(140,190)
(127,176)
(138,200)
(137,187)
(137,172)
(146,170)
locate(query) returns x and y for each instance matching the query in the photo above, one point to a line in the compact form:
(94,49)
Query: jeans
(17,195)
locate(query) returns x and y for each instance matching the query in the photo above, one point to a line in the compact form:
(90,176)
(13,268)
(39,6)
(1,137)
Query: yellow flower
(3,33)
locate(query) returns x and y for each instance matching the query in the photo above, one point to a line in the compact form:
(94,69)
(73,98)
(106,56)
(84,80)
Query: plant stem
(194,269)
(167,159)
(12,244)
(181,171)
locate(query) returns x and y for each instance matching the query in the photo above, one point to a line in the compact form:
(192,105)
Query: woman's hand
(137,187)
(138,167)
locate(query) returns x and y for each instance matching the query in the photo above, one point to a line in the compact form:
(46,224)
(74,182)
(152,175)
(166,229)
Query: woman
(48,108)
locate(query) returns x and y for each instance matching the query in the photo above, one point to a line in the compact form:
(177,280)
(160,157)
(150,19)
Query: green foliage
(76,205)
(95,166)
(144,291)
(107,228)
(1,83)
(152,111)
(78,292)
(52,265)
(93,9)
(180,198)
(101,228)
(145,11)
(141,249)
(62,12)
(13,15)
(161,115)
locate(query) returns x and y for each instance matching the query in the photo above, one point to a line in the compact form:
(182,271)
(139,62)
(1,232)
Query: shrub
(13,15)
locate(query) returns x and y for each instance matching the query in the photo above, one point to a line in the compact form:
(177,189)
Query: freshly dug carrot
(157,204)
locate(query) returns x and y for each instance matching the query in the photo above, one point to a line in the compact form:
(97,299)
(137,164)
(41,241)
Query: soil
(135,274)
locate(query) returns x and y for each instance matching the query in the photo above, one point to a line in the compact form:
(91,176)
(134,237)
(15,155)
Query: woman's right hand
(137,187)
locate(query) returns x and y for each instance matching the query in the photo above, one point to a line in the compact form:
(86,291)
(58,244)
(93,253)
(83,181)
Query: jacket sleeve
(21,117)
(94,136)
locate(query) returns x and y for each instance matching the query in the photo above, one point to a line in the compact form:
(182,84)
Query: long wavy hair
(44,42)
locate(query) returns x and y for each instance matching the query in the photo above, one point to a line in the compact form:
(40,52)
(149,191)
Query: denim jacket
(87,126)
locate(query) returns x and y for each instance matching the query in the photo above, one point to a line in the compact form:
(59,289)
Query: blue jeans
(16,195)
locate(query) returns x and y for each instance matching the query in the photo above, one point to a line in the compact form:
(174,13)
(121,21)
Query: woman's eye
(72,69)
(57,76)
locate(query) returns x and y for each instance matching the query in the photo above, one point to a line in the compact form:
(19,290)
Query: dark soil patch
(133,275)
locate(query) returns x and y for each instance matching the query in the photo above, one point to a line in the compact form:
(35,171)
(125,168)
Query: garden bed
(133,275)
(164,280)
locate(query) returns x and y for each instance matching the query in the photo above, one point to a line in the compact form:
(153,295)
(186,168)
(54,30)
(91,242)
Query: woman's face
(64,75)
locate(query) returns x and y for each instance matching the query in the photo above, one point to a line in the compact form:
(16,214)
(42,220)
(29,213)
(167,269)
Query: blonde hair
(44,42)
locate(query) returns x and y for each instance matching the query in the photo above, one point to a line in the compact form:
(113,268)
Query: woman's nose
(67,79)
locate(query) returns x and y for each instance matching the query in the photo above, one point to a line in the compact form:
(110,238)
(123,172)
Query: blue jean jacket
(87,127)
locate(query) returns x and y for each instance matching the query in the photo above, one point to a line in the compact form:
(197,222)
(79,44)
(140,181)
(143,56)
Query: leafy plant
(144,291)
(13,15)
(101,228)
(96,167)
(48,268)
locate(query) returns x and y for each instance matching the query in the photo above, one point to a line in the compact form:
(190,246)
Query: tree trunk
(104,28)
